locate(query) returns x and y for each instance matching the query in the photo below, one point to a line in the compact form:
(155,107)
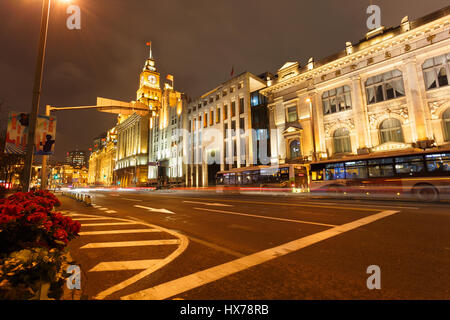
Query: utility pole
(36,96)
(44,176)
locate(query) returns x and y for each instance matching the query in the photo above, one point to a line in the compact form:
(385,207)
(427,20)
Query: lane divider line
(201,278)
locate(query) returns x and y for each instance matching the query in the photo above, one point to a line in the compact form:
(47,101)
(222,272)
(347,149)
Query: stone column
(414,100)
(360,114)
(274,155)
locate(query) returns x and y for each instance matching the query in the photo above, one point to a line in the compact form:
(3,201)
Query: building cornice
(381,46)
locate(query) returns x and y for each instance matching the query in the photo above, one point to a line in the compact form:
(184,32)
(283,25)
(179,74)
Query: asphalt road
(192,245)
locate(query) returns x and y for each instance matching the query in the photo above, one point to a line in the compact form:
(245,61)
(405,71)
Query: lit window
(294,148)
(384,87)
(436,72)
(391,131)
(446,119)
(337,100)
(292,114)
(341,141)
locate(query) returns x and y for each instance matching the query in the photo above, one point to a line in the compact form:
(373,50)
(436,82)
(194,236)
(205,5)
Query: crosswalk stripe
(107,224)
(125,265)
(89,219)
(103,209)
(130,243)
(93,233)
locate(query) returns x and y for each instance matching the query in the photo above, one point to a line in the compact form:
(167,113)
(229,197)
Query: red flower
(60,234)
(36,217)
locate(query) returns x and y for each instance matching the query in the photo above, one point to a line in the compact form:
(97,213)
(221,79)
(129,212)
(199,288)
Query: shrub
(33,240)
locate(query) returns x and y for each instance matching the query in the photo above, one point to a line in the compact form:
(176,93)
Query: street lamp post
(36,95)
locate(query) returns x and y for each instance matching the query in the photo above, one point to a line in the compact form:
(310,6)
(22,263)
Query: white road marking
(138,200)
(125,265)
(210,204)
(90,219)
(111,211)
(198,279)
(106,224)
(93,233)
(183,244)
(103,209)
(131,243)
(267,217)
(155,210)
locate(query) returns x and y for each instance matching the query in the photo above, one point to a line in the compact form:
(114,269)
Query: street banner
(17,134)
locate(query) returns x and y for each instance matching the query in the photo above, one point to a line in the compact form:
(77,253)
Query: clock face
(152,79)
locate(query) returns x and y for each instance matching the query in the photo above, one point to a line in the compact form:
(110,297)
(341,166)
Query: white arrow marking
(210,204)
(155,210)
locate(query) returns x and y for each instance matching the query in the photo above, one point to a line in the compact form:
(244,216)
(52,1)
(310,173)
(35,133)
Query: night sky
(198,41)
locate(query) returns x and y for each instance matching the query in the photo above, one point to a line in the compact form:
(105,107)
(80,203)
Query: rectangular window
(225,131)
(211,118)
(292,114)
(240,85)
(231,89)
(233,128)
(205,121)
(241,106)
(436,72)
(386,86)
(218,115)
(225,112)
(242,124)
(233,109)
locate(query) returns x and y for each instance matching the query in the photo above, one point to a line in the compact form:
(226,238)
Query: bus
(288,177)
(424,176)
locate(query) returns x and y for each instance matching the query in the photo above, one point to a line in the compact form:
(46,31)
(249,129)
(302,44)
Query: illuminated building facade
(76,158)
(102,161)
(390,92)
(166,140)
(218,129)
(64,175)
(131,168)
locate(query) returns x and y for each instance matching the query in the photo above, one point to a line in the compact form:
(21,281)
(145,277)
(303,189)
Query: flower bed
(33,240)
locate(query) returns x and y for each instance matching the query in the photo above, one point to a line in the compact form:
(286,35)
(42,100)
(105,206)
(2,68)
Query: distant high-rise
(76,158)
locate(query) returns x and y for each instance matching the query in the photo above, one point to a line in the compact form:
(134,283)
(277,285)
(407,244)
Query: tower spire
(150,63)
(150,45)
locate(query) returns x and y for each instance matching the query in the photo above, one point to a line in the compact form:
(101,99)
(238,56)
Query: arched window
(294,148)
(341,141)
(446,119)
(391,131)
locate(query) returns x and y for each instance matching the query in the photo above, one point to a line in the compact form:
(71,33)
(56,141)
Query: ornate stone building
(388,92)
(103,160)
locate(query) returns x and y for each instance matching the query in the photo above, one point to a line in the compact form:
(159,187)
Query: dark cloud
(197,41)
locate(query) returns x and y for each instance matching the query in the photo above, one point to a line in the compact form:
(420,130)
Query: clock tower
(149,92)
